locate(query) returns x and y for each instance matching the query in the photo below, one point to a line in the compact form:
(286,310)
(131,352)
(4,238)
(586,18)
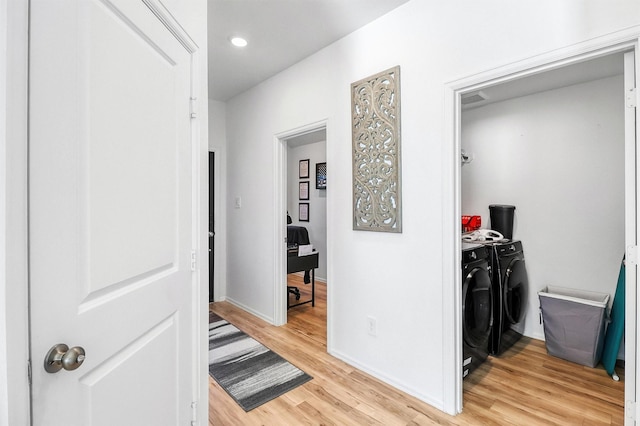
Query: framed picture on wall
(321,175)
(303,190)
(303,169)
(303,212)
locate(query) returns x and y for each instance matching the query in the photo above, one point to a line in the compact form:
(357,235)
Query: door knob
(211,233)
(60,356)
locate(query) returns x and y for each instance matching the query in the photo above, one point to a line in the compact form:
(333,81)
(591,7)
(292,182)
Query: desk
(297,263)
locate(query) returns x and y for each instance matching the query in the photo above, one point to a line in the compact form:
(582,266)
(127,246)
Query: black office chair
(294,290)
(297,235)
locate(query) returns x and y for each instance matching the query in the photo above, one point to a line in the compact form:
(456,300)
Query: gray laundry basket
(574,322)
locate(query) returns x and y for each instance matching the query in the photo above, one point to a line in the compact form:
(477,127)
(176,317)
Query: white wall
(396,278)
(558,156)
(317,224)
(218,145)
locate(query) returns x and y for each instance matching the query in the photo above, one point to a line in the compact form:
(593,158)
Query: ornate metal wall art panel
(375,115)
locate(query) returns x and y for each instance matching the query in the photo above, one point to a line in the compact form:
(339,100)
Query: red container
(471,223)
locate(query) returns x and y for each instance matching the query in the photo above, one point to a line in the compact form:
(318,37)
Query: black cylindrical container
(502,219)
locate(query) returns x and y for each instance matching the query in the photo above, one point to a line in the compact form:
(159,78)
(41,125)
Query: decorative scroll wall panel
(375,115)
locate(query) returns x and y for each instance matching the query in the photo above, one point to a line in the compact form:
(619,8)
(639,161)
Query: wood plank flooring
(524,387)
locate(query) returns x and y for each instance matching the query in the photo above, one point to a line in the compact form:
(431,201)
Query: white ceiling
(280,33)
(283,32)
(308,138)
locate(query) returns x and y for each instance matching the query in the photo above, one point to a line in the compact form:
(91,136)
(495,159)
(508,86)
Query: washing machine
(510,284)
(477,301)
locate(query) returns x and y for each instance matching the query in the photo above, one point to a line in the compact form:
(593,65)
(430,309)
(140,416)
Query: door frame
(626,40)
(631,239)
(211,216)
(280,218)
(219,225)
(14,334)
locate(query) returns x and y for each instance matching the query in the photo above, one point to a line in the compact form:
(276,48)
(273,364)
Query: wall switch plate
(372,326)
(238,202)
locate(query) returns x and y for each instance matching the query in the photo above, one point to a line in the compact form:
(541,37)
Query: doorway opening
(537,76)
(298,152)
(306,212)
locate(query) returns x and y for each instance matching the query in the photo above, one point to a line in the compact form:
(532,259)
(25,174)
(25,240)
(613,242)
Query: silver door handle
(60,356)
(211,234)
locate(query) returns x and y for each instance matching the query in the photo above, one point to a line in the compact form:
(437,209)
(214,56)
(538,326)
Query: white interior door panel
(110,214)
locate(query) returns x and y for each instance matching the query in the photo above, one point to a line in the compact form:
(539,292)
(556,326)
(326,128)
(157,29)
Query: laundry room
(553,146)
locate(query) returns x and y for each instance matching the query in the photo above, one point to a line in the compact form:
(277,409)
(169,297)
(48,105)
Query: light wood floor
(523,387)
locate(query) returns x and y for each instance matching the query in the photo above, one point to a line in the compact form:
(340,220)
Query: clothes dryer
(477,299)
(511,286)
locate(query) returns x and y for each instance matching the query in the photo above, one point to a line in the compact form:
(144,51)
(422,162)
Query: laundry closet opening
(552,145)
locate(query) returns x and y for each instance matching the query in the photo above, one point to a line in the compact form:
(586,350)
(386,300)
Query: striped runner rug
(248,371)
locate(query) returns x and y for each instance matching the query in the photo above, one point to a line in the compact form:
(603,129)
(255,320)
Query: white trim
(388,379)
(280,214)
(631,239)
(590,49)
(4,202)
(174,27)
(250,310)
(14,322)
(280,230)
(331,226)
(451,243)
(199,241)
(219,252)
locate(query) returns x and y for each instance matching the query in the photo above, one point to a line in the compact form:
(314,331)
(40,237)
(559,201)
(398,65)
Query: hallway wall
(396,278)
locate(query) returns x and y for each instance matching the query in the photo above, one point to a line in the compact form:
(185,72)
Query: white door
(110,196)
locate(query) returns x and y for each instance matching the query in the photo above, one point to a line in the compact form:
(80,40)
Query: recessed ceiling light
(238,41)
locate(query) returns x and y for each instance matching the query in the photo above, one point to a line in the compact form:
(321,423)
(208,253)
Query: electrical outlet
(372,327)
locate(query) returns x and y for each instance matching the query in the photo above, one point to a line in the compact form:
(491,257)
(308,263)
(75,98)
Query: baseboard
(537,336)
(388,380)
(251,311)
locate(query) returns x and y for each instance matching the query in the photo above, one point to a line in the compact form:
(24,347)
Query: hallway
(525,386)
